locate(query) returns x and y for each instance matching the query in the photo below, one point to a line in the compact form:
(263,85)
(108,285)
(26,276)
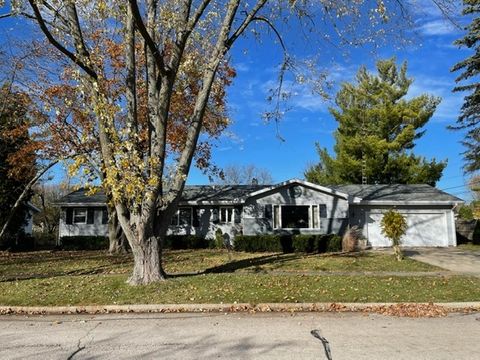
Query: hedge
(17,242)
(84,242)
(288,243)
(258,243)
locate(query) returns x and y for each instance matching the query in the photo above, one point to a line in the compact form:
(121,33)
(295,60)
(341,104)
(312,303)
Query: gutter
(414,202)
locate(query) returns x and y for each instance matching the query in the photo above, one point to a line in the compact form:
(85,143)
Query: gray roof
(197,193)
(238,193)
(219,192)
(80,197)
(396,192)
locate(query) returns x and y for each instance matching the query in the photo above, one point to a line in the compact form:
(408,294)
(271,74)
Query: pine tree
(470,112)
(377,129)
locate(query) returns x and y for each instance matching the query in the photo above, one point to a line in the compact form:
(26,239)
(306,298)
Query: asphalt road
(239,336)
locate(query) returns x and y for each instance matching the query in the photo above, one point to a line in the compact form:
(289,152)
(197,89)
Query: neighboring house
(31,210)
(294,206)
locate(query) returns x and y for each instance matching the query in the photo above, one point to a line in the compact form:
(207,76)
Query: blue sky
(250,140)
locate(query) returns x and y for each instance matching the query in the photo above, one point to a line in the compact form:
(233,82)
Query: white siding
(95,229)
(424,228)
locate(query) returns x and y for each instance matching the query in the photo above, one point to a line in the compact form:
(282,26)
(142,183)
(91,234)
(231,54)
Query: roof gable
(307,184)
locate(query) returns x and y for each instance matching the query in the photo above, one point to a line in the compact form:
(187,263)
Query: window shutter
(195,220)
(90,216)
(104,216)
(237,214)
(215,217)
(268,211)
(323,210)
(69,217)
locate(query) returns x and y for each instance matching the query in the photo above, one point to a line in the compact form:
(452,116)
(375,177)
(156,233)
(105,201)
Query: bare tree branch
(59,46)
(152,46)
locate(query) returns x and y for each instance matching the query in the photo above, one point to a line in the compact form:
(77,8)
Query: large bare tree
(144,175)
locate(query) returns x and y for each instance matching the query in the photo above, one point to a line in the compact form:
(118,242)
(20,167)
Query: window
(298,216)
(183,217)
(295,216)
(226,215)
(79,216)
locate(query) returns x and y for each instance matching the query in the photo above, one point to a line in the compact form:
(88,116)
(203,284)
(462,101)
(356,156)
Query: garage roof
(393,193)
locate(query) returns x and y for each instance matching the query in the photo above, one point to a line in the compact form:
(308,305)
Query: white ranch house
(293,206)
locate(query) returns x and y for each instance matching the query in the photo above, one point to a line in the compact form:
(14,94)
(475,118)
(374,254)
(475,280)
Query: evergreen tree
(377,129)
(13,139)
(470,112)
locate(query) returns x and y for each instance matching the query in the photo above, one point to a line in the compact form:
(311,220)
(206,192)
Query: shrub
(84,242)
(305,243)
(18,242)
(351,239)
(476,234)
(394,226)
(219,242)
(260,243)
(182,242)
(333,243)
(45,241)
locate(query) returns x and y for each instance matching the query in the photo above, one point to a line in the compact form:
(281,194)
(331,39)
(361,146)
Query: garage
(423,229)
(429,213)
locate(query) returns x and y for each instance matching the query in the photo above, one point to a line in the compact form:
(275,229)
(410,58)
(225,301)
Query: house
(293,206)
(28,225)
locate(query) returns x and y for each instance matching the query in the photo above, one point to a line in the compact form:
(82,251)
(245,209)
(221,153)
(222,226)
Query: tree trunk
(398,252)
(147,257)
(116,236)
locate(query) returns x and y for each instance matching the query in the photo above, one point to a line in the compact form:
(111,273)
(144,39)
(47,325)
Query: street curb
(232,308)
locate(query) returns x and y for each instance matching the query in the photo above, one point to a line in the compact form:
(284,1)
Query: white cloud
(438,27)
(241,67)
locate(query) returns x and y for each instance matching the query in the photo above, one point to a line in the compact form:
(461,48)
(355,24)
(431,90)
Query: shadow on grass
(232,266)
(410,252)
(55,264)
(256,263)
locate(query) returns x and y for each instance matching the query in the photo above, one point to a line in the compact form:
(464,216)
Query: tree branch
(55,43)
(200,105)
(248,19)
(76,31)
(23,195)
(146,36)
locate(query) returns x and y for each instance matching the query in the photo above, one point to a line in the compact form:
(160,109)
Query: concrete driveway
(452,258)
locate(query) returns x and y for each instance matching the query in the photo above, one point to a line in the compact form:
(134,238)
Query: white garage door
(424,229)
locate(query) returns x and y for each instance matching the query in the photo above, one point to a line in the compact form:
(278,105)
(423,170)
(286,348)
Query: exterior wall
(255,220)
(447,236)
(95,229)
(27,228)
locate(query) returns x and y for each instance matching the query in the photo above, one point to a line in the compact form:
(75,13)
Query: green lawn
(469,247)
(228,288)
(45,264)
(89,278)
